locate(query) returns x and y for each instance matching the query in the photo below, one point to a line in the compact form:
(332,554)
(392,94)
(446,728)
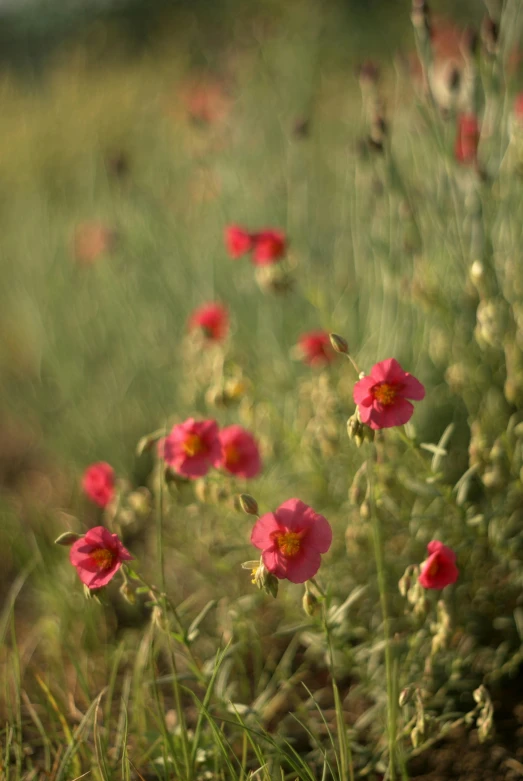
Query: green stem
(346,762)
(159,530)
(382,585)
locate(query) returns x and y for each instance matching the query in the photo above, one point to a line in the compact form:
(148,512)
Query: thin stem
(159,531)
(346,762)
(382,585)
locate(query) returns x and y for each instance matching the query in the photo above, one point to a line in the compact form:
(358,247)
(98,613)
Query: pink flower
(292,539)
(238,241)
(213,319)
(269,247)
(467,139)
(98,556)
(98,483)
(439,570)
(192,447)
(382,396)
(240,454)
(315,348)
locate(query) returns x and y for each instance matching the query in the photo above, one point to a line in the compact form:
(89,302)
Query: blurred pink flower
(315,348)
(92,240)
(240,454)
(192,447)
(269,247)
(237,240)
(98,556)
(439,570)
(467,139)
(98,483)
(382,396)
(291,540)
(213,319)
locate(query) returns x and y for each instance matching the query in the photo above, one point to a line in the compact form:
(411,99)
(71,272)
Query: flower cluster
(267,246)
(193,447)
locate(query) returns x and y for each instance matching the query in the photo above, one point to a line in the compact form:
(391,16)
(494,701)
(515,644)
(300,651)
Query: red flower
(315,348)
(98,556)
(240,454)
(467,139)
(213,319)
(292,539)
(439,570)
(269,247)
(98,483)
(238,241)
(382,396)
(192,447)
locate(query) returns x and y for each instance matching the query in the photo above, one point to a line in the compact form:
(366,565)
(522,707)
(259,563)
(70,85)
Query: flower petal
(304,566)
(262,530)
(394,415)
(362,389)
(412,388)
(388,370)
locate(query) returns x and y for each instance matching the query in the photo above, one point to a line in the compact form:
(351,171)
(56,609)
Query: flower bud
(147,442)
(311,604)
(265,580)
(67,538)
(140,501)
(248,504)
(355,430)
(127,593)
(405,696)
(339,344)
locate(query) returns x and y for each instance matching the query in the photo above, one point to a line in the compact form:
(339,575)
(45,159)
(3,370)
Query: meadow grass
(199,675)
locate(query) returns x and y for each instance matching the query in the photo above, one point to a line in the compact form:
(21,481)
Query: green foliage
(188,670)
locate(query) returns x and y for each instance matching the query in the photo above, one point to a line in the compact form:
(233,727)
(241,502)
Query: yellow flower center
(103,558)
(254,572)
(434,567)
(232,455)
(288,543)
(193,445)
(385,393)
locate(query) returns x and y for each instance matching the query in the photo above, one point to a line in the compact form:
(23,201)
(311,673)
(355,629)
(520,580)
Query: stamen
(289,543)
(232,455)
(385,393)
(103,558)
(193,445)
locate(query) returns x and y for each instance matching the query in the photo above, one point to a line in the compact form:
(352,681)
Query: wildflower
(192,447)
(92,240)
(315,348)
(207,100)
(240,454)
(291,540)
(382,396)
(238,241)
(439,570)
(98,556)
(213,319)
(98,483)
(269,247)
(467,139)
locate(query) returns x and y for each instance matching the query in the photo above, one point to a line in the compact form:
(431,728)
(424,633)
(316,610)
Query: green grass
(94,357)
